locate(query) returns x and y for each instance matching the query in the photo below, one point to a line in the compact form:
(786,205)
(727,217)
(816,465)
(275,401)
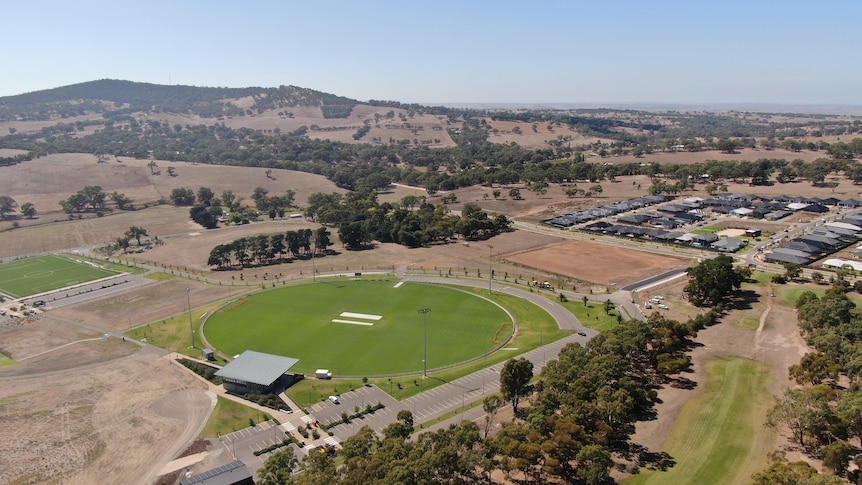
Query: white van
(334,399)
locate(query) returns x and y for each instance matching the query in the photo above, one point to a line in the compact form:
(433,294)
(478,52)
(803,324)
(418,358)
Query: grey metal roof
(257,367)
(229,474)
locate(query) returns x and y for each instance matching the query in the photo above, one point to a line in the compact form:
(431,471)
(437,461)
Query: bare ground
(98,423)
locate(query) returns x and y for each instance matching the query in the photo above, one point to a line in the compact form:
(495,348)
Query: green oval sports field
(361,328)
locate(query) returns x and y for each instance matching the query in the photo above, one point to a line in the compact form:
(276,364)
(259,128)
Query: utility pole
(424,313)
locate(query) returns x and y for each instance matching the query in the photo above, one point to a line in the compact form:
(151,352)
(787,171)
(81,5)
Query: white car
(664,307)
(334,399)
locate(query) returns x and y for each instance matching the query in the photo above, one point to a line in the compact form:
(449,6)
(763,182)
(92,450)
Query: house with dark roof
(816,209)
(782,258)
(703,240)
(729,245)
(851,203)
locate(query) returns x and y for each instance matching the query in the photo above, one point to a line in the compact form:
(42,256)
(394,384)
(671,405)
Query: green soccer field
(45,273)
(361,328)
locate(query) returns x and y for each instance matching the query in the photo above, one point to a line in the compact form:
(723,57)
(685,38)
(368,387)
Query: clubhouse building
(257,372)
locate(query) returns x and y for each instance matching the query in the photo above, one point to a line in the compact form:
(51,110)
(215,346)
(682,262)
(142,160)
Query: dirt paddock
(597,263)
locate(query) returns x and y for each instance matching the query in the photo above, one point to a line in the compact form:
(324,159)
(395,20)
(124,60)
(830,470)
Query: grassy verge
(719,436)
(592,315)
(748,323)
(123,268)
(760,278)
(174,334)
(229,416)
(790,293)
(6,361)
(159,276)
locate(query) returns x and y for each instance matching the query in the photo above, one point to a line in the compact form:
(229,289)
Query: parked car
(664,307)
(648,305)
(334,399)
(582,334)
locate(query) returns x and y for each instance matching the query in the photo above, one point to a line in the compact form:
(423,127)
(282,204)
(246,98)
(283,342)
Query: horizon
(449,53)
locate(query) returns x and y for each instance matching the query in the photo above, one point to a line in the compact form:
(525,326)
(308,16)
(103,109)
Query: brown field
(48,180)
(597,263)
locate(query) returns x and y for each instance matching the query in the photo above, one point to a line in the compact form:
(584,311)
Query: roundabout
(363,328)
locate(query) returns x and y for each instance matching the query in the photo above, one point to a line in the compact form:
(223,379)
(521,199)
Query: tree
(205,196)
(182,196)
(803,411)
(7,205)
(515,380)
(321,239)
(491,405)
(836,457)
(794,473)
(515,194)
(152,166)
(121,200)
(136,233)
(28,210)
(278,468)
(594,464)
(792,270)
(712,281)
(172,171)
(496,193)
(402,428)
(814,368)
(727,145)
(203,216)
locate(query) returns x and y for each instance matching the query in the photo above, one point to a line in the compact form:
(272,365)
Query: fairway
(361,328)
(45,273)
(719,436)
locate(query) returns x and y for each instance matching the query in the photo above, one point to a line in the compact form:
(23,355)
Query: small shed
(208,354)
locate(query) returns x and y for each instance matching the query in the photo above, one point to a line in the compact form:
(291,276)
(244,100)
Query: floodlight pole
(490,274)
(424,313)
(313,270)
(191,325)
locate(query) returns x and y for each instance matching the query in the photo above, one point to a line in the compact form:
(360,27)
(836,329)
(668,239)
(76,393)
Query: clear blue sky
(441,51)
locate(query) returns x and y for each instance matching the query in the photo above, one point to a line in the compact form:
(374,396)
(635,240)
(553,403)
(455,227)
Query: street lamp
(424,313)
(191,325)
(490,255)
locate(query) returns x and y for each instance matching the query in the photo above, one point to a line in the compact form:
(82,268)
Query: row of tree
(269,249)
(93,198)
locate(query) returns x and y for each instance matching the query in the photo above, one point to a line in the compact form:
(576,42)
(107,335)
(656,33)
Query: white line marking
(352,322)
(363,316)
(399,284)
